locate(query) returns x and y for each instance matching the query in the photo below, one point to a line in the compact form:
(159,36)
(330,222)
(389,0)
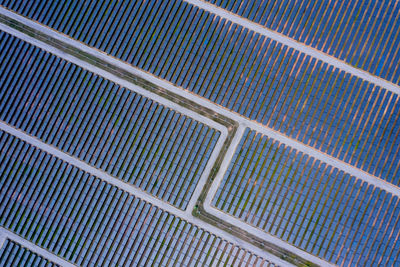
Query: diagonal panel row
(310,204)
(304,98)
(13,254)
(112,128)
(92,223)
(365,34)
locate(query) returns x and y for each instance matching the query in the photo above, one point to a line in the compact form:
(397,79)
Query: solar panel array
(269,185)
(92,223)
(112,128)
(362,33)
(310,204)
(302,97)
(13,254)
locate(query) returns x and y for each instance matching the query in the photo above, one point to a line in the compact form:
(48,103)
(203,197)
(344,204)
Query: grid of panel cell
(13,254)
(110,127)
(261,79)
(365,34)
(92,223)
(310,204)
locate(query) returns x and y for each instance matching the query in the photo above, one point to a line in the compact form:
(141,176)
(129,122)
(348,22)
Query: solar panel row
(112,128)
(362,33)
(13,254)
(261,79)
(92,223)
(310,204)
